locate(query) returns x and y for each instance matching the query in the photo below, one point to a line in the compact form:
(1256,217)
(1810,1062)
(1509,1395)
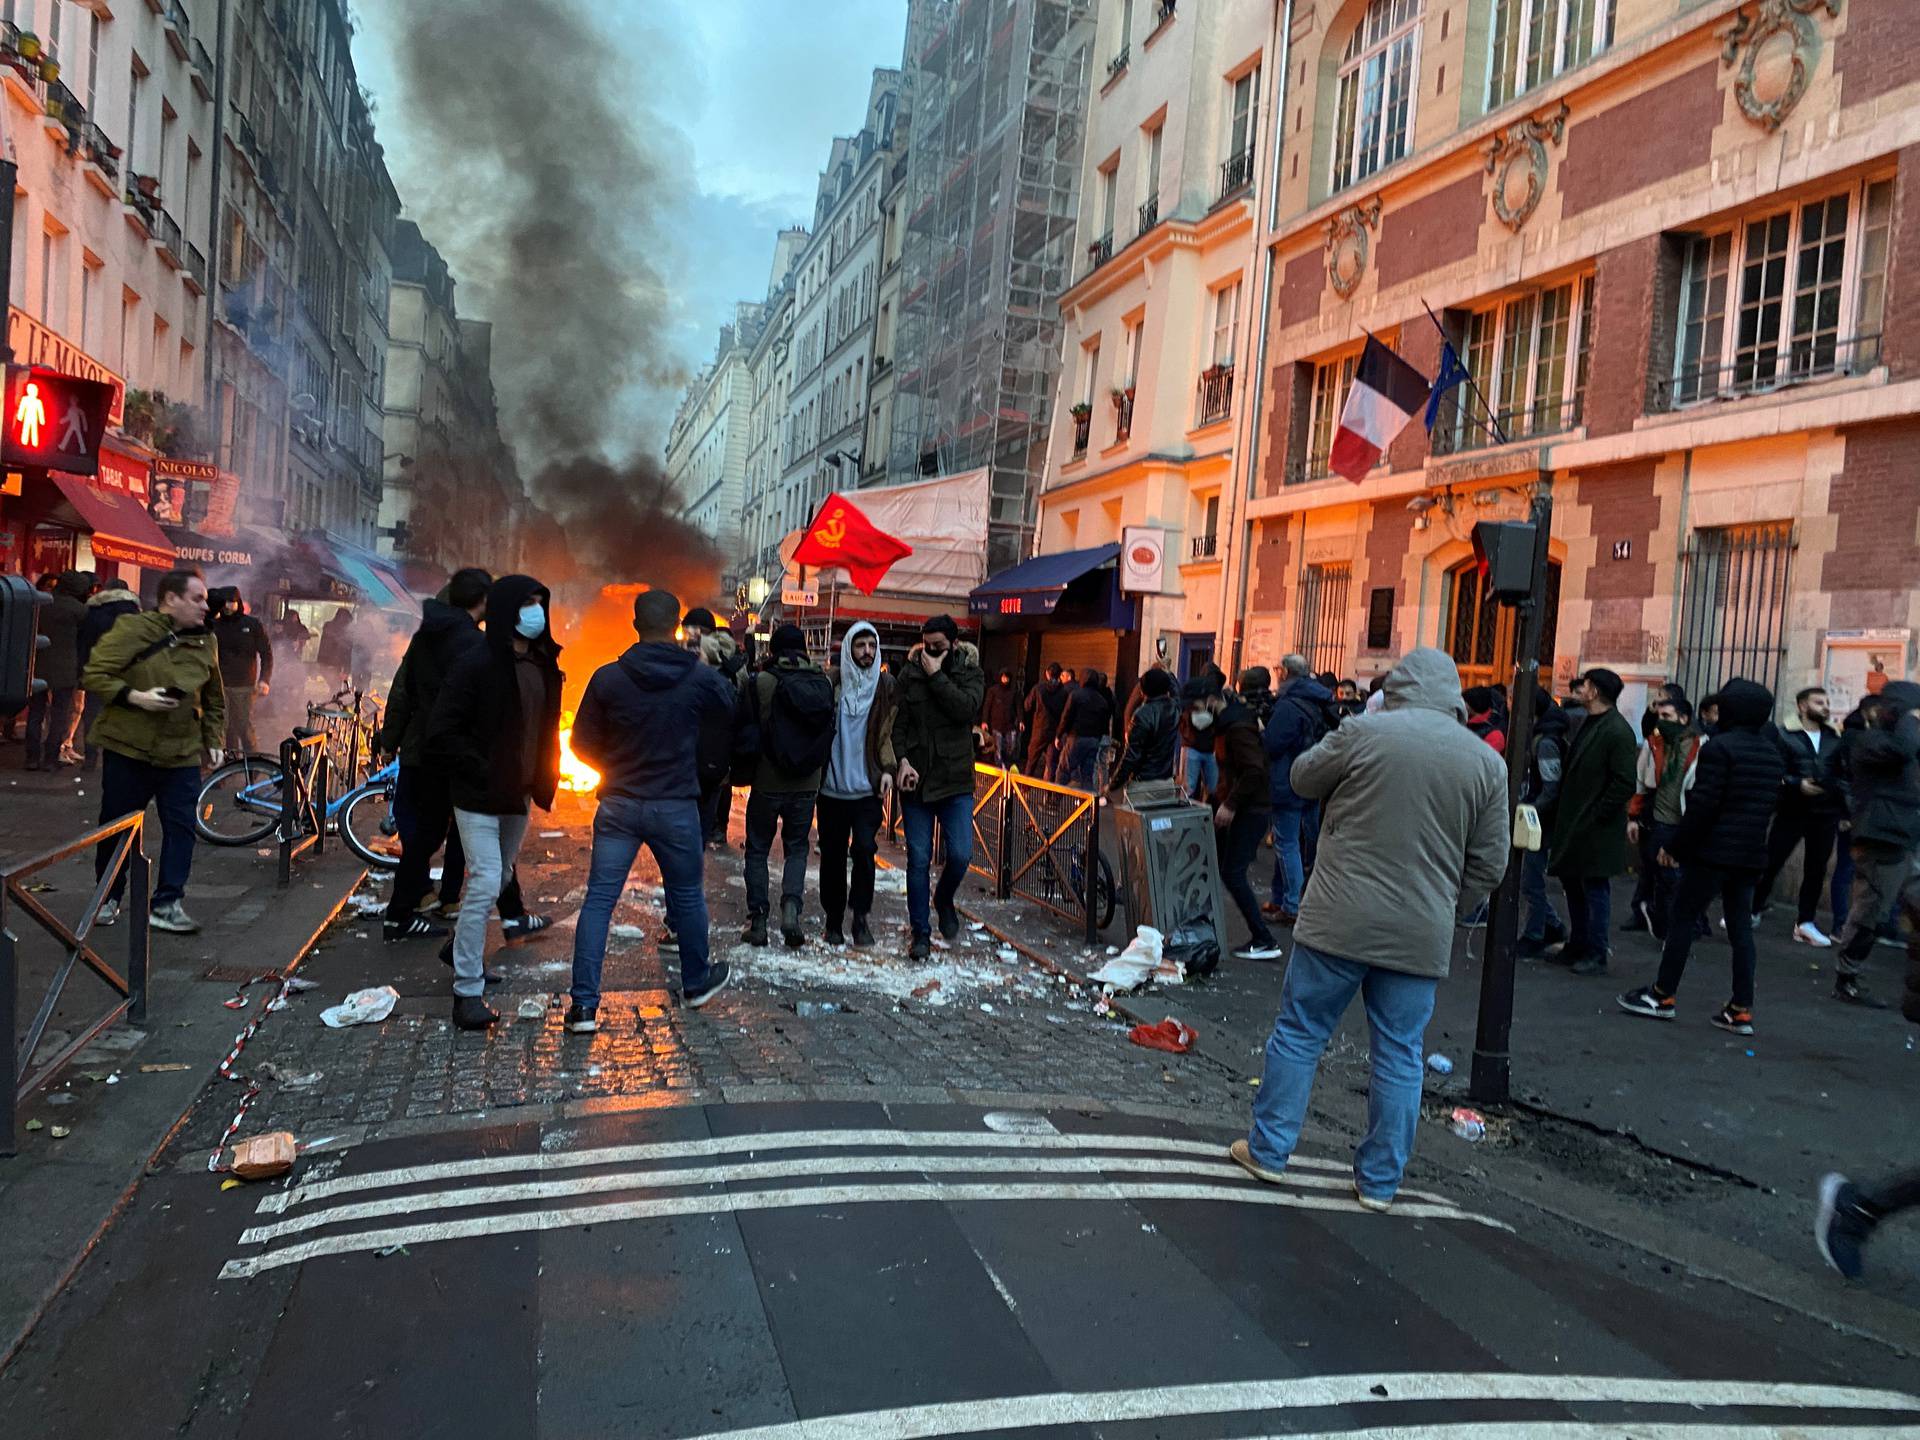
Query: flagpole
(1494,427)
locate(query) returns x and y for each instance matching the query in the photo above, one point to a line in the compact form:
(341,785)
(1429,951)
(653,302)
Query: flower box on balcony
(1082,411)
(28,45)
(1122,396)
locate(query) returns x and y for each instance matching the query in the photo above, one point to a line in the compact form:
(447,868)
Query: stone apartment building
(708,442)
(1667,240)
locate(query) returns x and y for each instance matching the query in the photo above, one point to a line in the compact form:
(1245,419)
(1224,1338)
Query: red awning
(122,529)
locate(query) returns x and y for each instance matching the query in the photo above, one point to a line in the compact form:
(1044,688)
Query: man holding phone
(157,676)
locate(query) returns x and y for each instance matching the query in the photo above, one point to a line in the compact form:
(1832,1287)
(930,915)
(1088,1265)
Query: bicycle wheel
(240,802)
(368,826)
(1103,895)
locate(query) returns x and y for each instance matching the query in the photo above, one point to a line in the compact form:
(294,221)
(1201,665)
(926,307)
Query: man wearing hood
(107,605)
(932,741)
(1541,929)
(1044,705)
(640,725)
(246,666)
(790,705)
(858,779)
(1300,720)
(50,712)
(1590,821)
(495,732)
(1720,848)
(1000,713)
(1241,798)
(1085,726)
(1881,763)
(1415,835)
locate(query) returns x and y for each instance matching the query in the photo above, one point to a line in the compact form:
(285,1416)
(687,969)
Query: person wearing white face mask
(495,732)
(1243,804)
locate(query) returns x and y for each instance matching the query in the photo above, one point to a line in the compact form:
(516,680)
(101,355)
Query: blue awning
(1034,587)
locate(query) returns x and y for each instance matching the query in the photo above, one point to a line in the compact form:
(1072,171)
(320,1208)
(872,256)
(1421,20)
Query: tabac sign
(54,421)
(34,344)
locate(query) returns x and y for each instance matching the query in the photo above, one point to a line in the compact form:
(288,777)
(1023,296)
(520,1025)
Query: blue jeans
(671,829)
(1198,771)
(1083,759)
(1589,913)
(127,785)
(1289,876)
(1541,918)
(955,814)
(1316,993)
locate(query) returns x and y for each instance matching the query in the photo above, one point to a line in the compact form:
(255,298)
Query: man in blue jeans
(1416,835)
(639,725)
(1299,720)
(939,690)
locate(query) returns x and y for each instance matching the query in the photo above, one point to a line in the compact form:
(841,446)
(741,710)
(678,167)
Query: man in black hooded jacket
(495,732)
(1881,763)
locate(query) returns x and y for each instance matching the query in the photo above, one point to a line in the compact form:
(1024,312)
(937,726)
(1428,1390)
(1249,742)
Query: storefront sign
(191,553)
(167,468)
(799,597)
(1143,560)
(34,344)
(124,473)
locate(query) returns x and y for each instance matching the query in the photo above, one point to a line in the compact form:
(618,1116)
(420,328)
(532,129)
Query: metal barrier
(128,856)
(1037,841)
(303,798)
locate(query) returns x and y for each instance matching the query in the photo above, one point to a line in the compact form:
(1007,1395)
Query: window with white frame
(1130,353)
(1535,40)
(1226,321)
(1527,357)
(1795,294)
(1331,381)
(1373,116)
(1243,94)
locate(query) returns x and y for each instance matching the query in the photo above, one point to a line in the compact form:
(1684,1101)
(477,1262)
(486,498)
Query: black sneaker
(1851,992)
(834,936)
(1735,1018)
(1648,1002)
(756,933)
(949,923)
(790,930)
(1590,964)
(470,1012)
(414,927)
(523,927)
(1841,1225)
(669,943)
(582,1019)
(862,932)
(920,947)
(491,979)
(718,974)
(1535,950)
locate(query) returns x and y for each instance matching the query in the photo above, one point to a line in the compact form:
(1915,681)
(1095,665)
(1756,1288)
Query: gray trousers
(492,843)
(793,813)
(240,738)
(1882,875)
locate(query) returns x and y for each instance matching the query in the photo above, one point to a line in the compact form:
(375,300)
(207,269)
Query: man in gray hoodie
(1415,834)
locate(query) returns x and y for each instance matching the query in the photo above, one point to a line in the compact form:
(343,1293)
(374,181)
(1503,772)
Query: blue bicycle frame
(266,798)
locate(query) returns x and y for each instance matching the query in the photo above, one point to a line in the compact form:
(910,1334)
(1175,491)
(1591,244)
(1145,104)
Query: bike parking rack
(128,855)
(303,806)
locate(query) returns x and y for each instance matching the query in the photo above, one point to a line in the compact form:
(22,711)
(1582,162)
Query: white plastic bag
(362,1007)
(1136,964)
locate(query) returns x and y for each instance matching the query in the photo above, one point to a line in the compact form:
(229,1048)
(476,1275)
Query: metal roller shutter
(1078,649)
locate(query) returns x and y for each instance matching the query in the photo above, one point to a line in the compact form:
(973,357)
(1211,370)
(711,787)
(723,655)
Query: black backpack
(797,732)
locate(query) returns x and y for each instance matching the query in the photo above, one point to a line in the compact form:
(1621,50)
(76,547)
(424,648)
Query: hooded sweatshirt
(499,750)
(850,775)
(60,621)
(1730,804)
(445,637)
(1414,829)
(642,719)
(1882,766)
(102,610)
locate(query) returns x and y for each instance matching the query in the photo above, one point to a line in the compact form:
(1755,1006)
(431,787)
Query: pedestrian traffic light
(1503,549)
(20,641)
(54,421)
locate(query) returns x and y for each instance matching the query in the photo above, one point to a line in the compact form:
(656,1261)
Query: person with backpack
(1302,715)
(641,724)
(789,706)
(1541,929)
(859,777)
(938,695)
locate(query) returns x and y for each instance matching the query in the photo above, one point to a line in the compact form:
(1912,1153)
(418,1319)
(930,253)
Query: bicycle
(241,803)
(1105,893)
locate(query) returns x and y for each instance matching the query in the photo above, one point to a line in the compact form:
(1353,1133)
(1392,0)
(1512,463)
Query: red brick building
(1678,246)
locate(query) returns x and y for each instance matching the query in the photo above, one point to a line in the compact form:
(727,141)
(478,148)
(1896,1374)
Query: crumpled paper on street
(362,1007)
(1170,1035)
(1143,960)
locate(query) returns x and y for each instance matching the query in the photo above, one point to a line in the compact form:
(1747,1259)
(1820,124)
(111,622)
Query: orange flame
(575,774)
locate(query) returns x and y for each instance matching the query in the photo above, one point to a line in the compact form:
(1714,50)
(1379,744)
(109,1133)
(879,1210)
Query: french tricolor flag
(1387,393)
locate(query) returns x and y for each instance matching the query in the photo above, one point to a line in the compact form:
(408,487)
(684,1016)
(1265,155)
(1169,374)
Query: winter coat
(880,756)
(1590,822)
(102,610)
(1414,829)
(932,722)
(1548,762)
(1803,762)
(1882,767)
(756,704)
(1651,763)
(642,719)
(1296,725)
(1731,802)
(447,635)
(1244,783)
(1042,709)
(1000,713)
(1153,742)
(246,655)
(723,655)
(184,660)
(1089,713)
(60,622)
(476,730)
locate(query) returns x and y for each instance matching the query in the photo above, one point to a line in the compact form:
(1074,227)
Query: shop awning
(374,578)
(122,529)
(1034,587)
(211,552)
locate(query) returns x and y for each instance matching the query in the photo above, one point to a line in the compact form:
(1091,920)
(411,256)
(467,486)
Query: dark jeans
(128,785)
(1589,912)
(1541,918)
(49,724)
(1699,883)
(1794,826)
(1082,761)
(423,814)
(847,825)
(672,830)
(716,805)
(1658,883)
(793,815)
(1238,844)
(955,817)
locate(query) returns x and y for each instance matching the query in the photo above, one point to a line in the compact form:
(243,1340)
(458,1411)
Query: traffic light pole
(1491,1059)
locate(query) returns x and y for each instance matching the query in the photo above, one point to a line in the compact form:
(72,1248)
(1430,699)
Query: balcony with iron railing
(1082,428)
(1100,252)
(102,159)
(1236,172)
(1119,62)
(1216,396)
(1204,547)
(1122,414)
(203,73)
(1149,213)
(1756,372)
(197,268)
(1472,429)
(179,30)
(141,200)
(168,239)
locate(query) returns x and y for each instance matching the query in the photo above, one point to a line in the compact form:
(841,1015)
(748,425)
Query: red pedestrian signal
(54,421)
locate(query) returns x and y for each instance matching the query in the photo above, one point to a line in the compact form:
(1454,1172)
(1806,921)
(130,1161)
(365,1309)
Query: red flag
(841,537)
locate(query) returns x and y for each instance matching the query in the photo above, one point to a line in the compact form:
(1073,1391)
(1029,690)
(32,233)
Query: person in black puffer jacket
(1721,848)
(1084,727)
(1153,737)
(1881,765)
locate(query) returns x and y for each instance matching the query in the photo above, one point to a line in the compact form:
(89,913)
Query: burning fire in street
(575,774)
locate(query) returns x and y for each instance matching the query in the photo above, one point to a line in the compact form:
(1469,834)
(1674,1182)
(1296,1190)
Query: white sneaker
(173,917)
(109,914)
(1808,933)
(1259,952)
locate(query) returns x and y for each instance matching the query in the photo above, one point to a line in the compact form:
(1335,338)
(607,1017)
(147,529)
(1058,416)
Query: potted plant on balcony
(28,45)
(141,411)
(1082,411)
(1217,371)
(49,70)
(149,187)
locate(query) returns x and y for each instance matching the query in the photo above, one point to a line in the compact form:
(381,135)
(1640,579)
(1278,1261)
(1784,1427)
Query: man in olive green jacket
(157,674)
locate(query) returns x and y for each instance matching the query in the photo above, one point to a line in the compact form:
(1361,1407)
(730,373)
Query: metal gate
(1734,606)
(1322,617)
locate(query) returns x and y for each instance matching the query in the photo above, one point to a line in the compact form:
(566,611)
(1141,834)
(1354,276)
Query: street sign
(799,597)
(54,421)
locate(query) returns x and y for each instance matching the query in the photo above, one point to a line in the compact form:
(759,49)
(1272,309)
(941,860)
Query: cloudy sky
(757,90)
